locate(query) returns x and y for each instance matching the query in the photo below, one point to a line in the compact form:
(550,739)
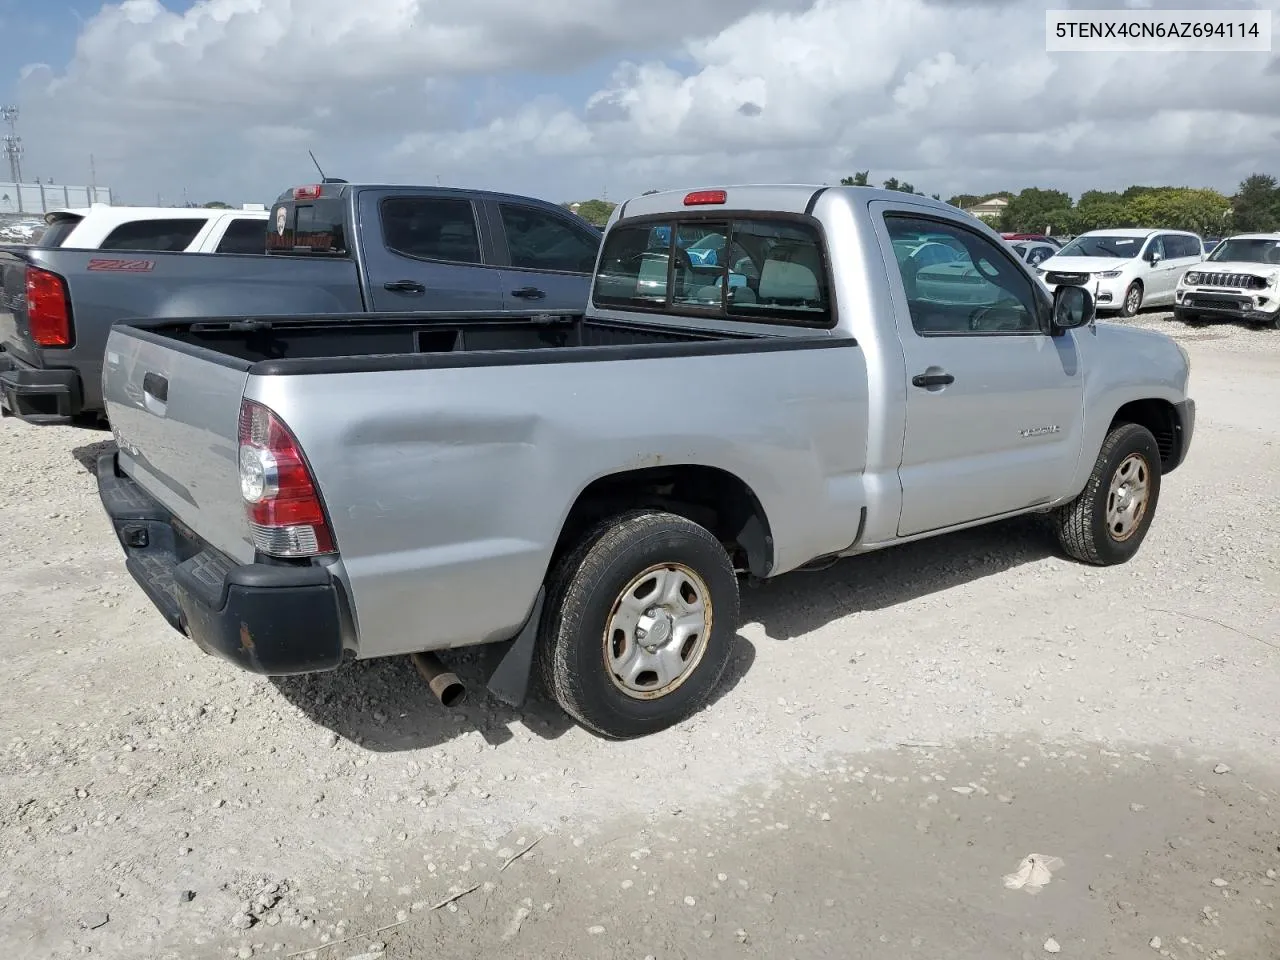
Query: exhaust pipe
(448,689)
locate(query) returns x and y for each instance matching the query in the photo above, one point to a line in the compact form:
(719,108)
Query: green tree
(1256,205)
(963,200)
(1034,210)
(1180,208)
(1099,214)
(903,187)
(1091,198)
(218,205)
(596,212)
(857,180)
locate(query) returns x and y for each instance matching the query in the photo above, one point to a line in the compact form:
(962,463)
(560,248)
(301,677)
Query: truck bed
(267,346)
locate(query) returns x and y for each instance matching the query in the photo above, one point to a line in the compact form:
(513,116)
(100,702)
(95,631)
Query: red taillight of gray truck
(281,501)
(48,309)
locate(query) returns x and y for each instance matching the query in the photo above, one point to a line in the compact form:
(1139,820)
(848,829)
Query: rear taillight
(280,496)
(48,312)
(308,193)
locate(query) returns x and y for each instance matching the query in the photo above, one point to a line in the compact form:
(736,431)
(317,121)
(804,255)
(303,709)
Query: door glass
(978,290)
(161,236)
(244,235)
(431,228)
(1157,246)
(538,240)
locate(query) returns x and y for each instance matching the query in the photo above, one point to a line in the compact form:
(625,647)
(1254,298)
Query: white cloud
(952,96)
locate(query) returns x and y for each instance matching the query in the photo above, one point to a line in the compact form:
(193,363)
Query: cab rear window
(308,227)
(738,268)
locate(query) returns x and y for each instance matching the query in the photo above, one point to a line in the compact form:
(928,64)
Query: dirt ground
(895,736)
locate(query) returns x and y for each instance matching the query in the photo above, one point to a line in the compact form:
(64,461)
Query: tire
(1132,302)
(580,657)
(1083,526)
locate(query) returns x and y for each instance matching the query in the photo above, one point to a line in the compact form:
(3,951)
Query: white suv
(1127,269)
(1240,280)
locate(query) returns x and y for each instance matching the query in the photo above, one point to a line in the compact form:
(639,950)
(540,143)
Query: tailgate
(175,412)
(14,337)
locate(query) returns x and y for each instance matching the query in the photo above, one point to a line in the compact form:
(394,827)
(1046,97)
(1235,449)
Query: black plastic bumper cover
(275,620)
(1185,411)
(38,396)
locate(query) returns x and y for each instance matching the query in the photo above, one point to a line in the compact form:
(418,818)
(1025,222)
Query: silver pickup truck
(766,378)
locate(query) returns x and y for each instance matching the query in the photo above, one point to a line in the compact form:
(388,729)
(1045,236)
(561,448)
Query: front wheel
(1132,300)
(1107,523)
(640,622)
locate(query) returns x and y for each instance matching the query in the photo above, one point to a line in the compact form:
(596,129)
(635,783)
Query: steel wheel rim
(657,631)
(1134,299)
(1128,497)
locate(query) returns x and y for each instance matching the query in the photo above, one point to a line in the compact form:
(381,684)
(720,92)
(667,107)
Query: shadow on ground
(384,706)
(87,454)
(798,603)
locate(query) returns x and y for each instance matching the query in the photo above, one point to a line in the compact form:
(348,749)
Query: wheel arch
(1161,418)
(709,496)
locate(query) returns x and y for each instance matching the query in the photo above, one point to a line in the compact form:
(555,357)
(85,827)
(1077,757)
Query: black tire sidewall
(1124,304)
(575,644)
(1135,439)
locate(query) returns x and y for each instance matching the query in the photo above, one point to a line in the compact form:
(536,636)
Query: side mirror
(1155,257)
(1072,307)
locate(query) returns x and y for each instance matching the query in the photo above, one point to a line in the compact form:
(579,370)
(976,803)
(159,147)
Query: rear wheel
(1132,302)
(1107,523)
(640,622)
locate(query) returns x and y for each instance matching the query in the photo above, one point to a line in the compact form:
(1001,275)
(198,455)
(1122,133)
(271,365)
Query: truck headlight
(1109,274)
(1191,276)
(1271,278)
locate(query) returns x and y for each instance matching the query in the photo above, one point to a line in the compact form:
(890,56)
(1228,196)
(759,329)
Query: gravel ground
(896,734)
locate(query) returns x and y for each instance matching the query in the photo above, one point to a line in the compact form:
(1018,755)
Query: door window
(431,228)
(244,235)
(980,291)
(1156,246)
(538,240)
(160,236)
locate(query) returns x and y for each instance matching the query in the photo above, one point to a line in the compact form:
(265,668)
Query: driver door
(993,403)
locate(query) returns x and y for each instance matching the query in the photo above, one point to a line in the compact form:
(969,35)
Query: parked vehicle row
(331,248)
(296,491)
(1128,269)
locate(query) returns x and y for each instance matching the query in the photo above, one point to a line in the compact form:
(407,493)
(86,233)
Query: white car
(1240,280)
(169,229)
(1126,269)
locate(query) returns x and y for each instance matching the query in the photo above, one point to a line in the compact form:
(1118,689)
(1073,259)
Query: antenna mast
(12,142)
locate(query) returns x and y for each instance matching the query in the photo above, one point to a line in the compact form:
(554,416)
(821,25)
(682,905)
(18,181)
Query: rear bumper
(268,619)
(38,396)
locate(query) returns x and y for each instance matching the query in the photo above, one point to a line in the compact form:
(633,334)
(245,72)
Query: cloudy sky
(567,99)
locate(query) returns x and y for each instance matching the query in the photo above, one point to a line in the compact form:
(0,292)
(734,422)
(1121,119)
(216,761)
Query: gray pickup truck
(335,248)
(296,492)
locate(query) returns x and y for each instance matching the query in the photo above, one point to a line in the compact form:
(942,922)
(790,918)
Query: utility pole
(12,142)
